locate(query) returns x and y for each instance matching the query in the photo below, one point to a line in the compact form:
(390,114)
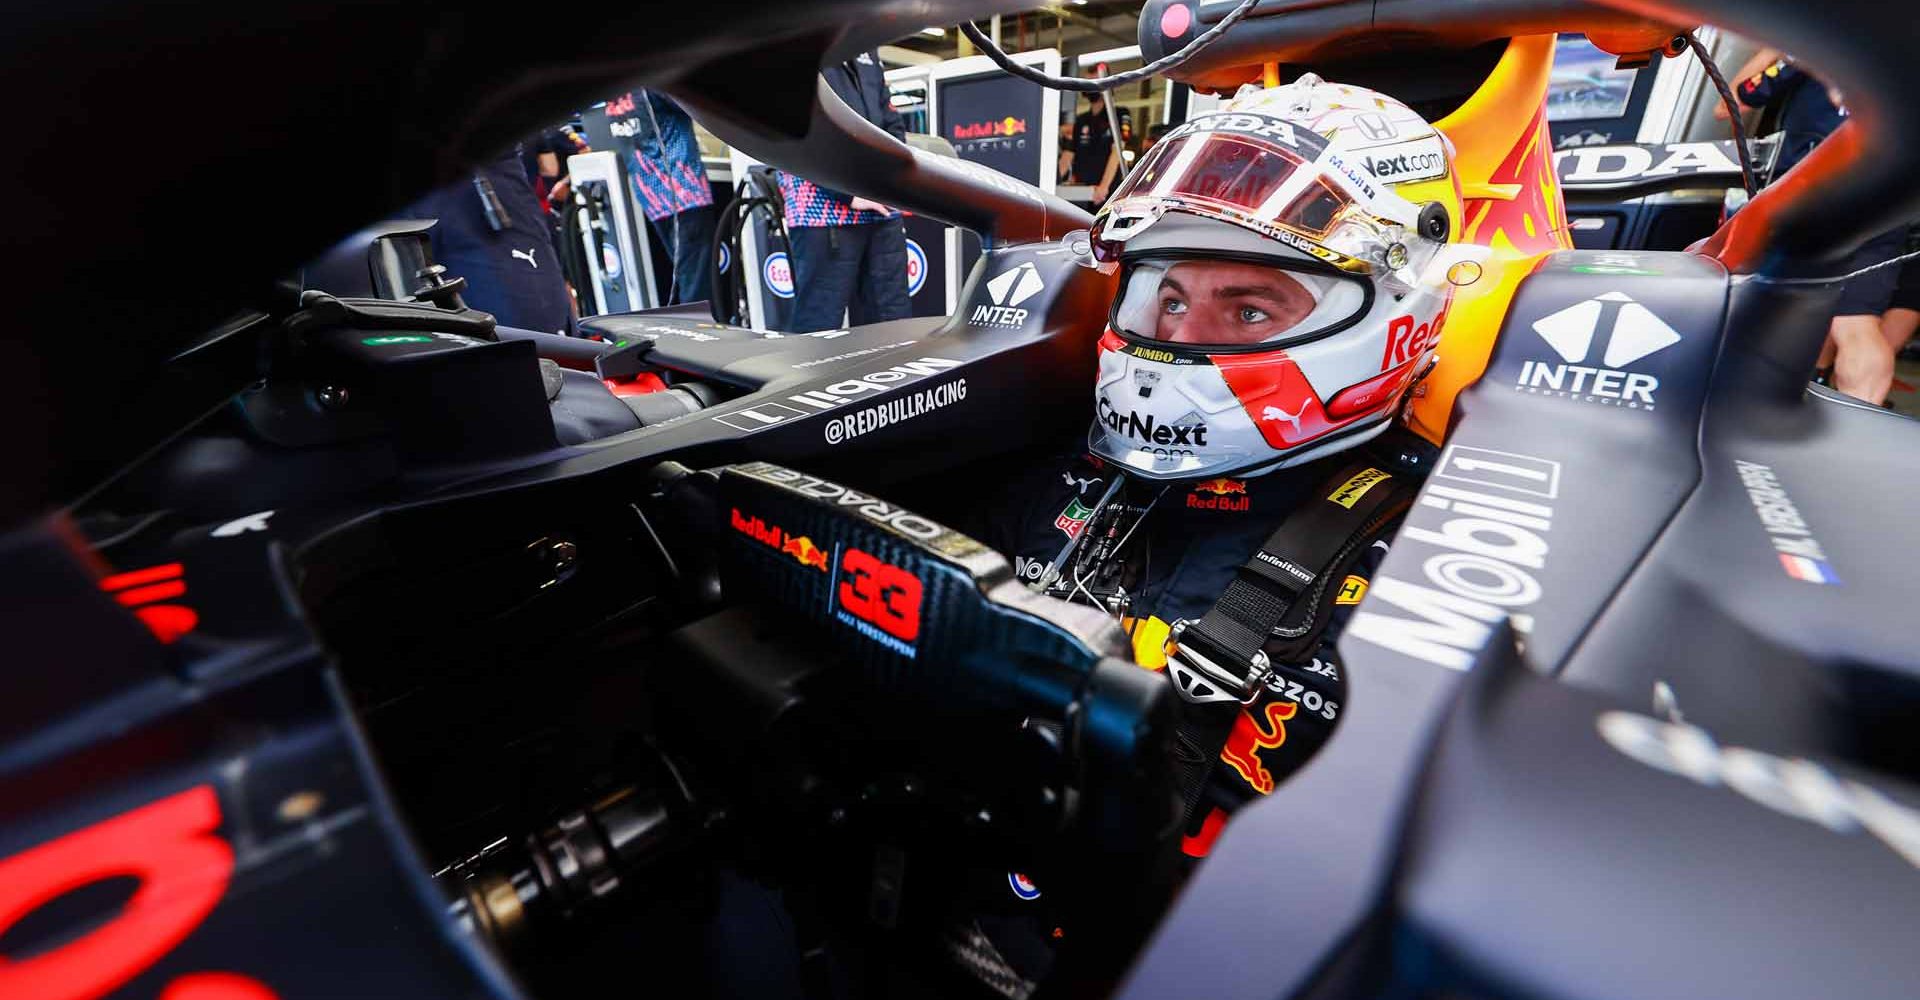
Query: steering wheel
(905,679)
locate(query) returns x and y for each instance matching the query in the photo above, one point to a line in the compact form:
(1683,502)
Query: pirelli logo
(1353,489)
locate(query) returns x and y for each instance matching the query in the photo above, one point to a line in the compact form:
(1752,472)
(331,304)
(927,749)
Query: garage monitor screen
(1585,85)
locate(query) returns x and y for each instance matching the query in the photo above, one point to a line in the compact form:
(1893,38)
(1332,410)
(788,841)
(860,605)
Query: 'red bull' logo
(802,549)
(1219,494)
(1221,487)
(1251,735)
(1007,126)
(753,527)
(1406,341)
(879,600)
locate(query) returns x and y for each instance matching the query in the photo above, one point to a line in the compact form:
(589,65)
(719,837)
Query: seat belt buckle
(1203,679)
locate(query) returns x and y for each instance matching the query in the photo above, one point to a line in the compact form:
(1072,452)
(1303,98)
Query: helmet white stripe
(1288,190)
(1178,169)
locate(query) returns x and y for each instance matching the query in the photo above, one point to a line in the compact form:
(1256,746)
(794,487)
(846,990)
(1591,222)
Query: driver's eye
(1173,307)
(1250,315)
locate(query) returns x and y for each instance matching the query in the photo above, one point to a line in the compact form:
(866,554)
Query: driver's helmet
(1278,294)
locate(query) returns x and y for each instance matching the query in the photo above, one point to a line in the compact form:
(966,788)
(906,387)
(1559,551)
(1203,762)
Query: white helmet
(1277,296)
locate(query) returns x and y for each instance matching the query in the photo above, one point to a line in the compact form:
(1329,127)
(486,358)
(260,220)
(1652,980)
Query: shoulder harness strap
(1281,600)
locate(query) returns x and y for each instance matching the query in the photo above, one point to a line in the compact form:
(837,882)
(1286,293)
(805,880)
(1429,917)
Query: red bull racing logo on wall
(1002,128)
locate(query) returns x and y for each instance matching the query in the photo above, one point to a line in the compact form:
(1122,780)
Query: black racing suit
(1154,569)
(1187,547)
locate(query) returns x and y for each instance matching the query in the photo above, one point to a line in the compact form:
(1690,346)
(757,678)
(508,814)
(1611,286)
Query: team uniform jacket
(1194,538)
(1807,114)
(668,177)
(862,83)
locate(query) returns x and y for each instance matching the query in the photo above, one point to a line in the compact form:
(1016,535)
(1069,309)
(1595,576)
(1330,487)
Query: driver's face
(1225,302)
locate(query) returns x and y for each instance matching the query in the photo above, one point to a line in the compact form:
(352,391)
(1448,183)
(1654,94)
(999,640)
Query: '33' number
(881,594)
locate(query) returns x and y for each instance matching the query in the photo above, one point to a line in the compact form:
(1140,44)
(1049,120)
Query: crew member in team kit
(1858,357)
(1091,156)
(493,232)
(849,252)
(670,183)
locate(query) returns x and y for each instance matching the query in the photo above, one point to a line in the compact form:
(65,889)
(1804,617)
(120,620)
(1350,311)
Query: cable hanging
(1733,110)
(1104,83)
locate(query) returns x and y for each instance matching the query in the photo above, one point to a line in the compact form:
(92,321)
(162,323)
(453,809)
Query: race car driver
(1278,299)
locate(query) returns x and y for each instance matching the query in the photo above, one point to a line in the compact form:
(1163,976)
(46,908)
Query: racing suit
(1187,547)
(1170,563)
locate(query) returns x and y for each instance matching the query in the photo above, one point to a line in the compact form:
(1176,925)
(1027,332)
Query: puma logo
(527,255)
(1276,413)
(1082,485)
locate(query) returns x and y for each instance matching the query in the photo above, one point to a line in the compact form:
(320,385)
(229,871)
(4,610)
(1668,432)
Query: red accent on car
(217,986)
(636,385)
(183,867)
(147,595)
(134,578)
(168,622)
(143,589)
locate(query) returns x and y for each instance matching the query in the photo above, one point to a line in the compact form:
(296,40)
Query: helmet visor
(1243,175)
(1225,304)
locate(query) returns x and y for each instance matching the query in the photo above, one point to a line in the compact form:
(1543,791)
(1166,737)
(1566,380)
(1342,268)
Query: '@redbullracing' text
(895,411)
(847,392)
